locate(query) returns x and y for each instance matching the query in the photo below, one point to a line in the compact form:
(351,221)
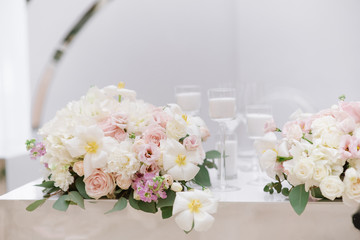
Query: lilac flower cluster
(36,149)
(149,187)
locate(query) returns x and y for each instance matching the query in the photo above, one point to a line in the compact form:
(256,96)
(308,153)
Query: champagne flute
(222,109)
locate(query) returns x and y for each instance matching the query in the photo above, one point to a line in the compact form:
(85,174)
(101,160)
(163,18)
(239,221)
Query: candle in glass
(188,97)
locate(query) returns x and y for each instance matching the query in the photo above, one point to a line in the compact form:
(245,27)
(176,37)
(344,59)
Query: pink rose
(270,126)
(79,168)
(191,143)
(99,184)
(149,153)
(205,133)
(353,109)
(114,126)
(161,117)
(154,134)
(123,182)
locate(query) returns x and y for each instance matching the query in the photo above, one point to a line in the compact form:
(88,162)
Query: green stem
(303,137)
(283,159)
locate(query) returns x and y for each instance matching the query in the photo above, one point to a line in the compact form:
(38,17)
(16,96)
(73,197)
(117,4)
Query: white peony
(62,177)
(176,128)
(332,187)
(178,162)
(194,208)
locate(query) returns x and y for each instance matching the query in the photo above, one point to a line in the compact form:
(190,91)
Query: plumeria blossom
(91,143)
(180,163)
(194,208)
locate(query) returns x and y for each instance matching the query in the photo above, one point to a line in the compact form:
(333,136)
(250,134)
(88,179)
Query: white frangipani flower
(194,209)
(178,162)
(90,143)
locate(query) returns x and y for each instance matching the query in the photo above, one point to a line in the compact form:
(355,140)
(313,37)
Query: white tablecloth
(246,214)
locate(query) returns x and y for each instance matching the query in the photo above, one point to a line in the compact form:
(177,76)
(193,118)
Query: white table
(246,214)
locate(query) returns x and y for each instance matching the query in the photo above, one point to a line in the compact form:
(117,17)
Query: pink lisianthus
(152,168)
(355,147)
(149,153)
(191,143)
(114,126)
(154,134)
(344,149)
(353,109)
(270,126)
(161,117)
(99,184)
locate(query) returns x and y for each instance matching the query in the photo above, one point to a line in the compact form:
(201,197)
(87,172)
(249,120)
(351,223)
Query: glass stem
(223,155)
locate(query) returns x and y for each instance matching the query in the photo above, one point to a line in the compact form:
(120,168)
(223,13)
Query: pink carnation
(99,184)
(114,126)
(270,126)
(154,134)
(191,143)
(161,117)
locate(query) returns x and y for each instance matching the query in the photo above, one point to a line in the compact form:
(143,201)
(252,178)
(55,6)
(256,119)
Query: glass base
(225,188)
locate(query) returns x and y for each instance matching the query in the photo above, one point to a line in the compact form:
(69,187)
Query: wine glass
(256,118)
(188,97)
(222,109)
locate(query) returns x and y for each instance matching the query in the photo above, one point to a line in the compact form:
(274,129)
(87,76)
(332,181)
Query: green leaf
(119,205)
(271,191)
(46,184)
(342,97)
(118,191)
(213,154)
(77,198)
(168,201)
(278,187)
(285,192)
(36,204)
(316,192)
(202,177)
(209,164)
(267,188)
(62,203)
(166,212)
(192,227)
(80,186)
(299,198)
(133,203)
(181,140)
(147,207)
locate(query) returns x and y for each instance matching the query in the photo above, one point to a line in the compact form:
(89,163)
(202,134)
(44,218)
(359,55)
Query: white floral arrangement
(318,156)
(109,145)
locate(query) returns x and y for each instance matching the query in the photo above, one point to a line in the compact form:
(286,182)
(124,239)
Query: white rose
(268,163)
(352,187)
(176,187)
(332,187)
(304,169)
(323,125)
(320,172)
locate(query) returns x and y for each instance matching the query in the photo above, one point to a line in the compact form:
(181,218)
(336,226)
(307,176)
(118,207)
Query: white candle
(230,160)
(222,108)
(256,123)
(189,101)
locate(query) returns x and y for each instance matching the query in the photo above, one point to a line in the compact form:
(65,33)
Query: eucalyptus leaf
(213,154)
(202,177)
(166,212)
(77,198)
(285,192)
(133,203)
(62,203)
(80,186)
(36,204)
(119,205)
(149,207)
(299,198)
(168,201)
(316,192)
(46,184)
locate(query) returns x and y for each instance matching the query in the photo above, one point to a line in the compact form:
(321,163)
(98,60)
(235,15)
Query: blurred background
(291,54)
